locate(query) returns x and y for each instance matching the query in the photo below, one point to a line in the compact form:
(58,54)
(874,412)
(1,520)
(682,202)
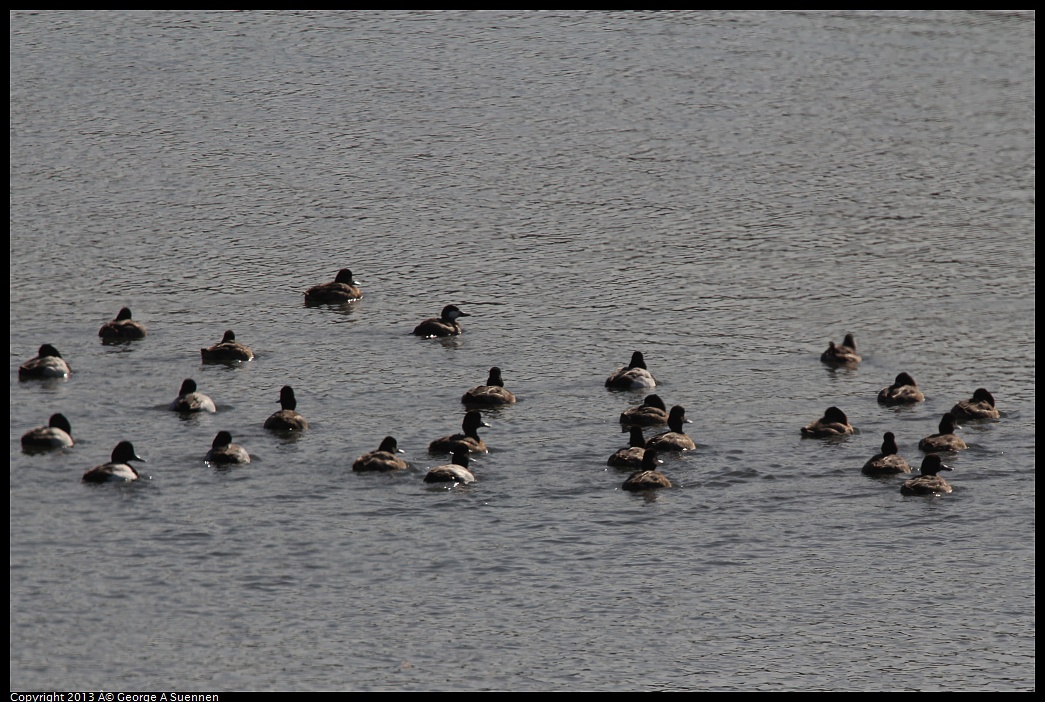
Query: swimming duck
(456,472)
(286,419)
(189,400)
(842,355)
(833,423)
(632,377)
(648,478)
(630,457)
(650,413)
(980,406)
(889,461)
(118,469)
(343,289)
(928,483)
(123,327)
(945,440)
(490,395)
(47,364)
(57,434)
(468,440)
(903,391)
(676,439)
(383,459)
(227,350)
(222,450)
(443,325)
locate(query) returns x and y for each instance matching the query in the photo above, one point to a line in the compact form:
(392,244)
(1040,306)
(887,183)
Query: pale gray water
(724,191)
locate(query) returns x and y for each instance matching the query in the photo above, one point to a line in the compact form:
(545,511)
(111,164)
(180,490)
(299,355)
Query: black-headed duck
(634,376)
(190,400)
(903,391)
(468,440)
(833,423)
(122,327)
(286,419)
(384,459)
(980,406)
(648,477)
(57,434)
(842,355)
(945,439)
(631,456)
(652,412)
(342,289)
(455,472)
(117,470)
(227,350)
(492,394)
(889,461)
(443,325)
(928,483)
(222,450)
(675,439)
(47,364)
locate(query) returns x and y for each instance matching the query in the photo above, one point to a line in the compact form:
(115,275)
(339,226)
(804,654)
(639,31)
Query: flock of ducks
(640,455)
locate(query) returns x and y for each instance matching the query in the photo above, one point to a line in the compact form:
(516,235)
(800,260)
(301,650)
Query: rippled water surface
(725,192)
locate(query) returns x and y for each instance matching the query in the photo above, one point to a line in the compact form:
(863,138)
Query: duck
(468,440)
(889,461)
(652,412)
(648,477)
(455,472)
(980,406)
(833,423)
(122,327)
(118,469)
(676,439)
(444,325)
(632,377)
(945,439)
(222,450)
(228,349)
(492,394)
(842,355)
(903,391)
(47,364)
(631,456)
(286,419)
(57,434)
(384,459)
(189,400)
(928,483)
(342,289)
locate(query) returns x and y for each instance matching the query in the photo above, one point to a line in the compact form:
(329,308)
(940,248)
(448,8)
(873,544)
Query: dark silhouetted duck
(652,412)
(227,350)
(57,434)
(189,400)
(903,391)
(928,483)
(842,355)
(383,459)
(889,461)
(630,457)
(118,470)
(490,395)
(456,472)
(123,327)
(833,423)
(945,439)
(286,419)
(443,325)
(648,478)
(343,289)
(676,439)
(632,377)
(47,364)
(222,450)
(468,440)
(981,406)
